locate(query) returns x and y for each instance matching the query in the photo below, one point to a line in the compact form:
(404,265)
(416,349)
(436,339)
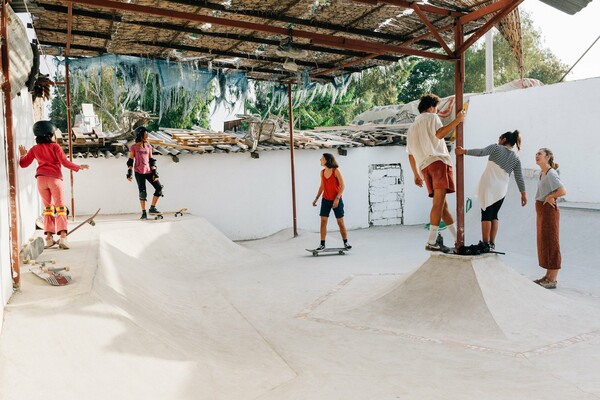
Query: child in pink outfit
(50,157)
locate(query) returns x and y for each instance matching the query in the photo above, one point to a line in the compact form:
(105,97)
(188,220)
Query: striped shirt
(505,158)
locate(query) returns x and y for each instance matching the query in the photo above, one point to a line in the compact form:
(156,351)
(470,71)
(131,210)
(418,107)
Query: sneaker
(347,246)
(483,247)
(144,215)
(49,243)
(437,247)
(321,247)
(547,283)
(492,246)
(63,244)
(153,210)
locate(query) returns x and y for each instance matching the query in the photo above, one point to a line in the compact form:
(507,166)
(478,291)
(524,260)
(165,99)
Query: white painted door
(386,194)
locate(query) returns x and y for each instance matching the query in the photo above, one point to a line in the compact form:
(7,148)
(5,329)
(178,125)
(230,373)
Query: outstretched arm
(445,130)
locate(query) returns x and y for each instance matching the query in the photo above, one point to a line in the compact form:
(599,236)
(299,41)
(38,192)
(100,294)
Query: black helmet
(139,133)
(43,128)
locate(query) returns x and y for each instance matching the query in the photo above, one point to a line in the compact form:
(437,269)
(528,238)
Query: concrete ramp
(158,275)
(476,300)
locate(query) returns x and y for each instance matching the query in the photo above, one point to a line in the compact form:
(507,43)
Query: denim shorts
(327,205)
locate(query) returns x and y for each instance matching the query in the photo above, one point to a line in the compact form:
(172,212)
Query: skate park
(225,303)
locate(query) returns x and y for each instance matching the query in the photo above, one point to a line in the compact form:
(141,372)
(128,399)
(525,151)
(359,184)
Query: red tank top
(331,186)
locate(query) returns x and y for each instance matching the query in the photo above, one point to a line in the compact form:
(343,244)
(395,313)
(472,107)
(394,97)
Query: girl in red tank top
(332,186)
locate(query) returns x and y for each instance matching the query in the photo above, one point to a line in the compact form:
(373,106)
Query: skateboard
(52,275)
(339,250)
(32,249)
(160,215)
(89,220)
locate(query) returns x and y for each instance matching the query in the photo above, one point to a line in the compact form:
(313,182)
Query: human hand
(22,150)
(550,200)
(418,181)
(523,199)
(460,116)
(460,151)
(315,203)
(84,166)
(336,203)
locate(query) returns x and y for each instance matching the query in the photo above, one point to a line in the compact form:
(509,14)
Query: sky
(568,36)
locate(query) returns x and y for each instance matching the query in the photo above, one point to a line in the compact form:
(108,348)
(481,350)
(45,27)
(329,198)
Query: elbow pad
(130,162)
(152,162)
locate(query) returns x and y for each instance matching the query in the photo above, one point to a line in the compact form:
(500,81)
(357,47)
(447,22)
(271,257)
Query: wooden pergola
(337,37)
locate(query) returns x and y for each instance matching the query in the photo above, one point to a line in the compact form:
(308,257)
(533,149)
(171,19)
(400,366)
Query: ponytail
(517,139)
(512,138)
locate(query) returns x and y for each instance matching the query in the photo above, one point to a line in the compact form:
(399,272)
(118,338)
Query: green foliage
(58,106)
(107,92)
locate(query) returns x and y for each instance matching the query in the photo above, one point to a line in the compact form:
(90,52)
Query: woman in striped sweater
(493,184)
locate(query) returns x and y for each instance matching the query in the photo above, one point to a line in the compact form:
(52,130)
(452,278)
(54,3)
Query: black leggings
(141,182)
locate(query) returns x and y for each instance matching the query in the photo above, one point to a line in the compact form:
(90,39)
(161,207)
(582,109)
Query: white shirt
(423,145)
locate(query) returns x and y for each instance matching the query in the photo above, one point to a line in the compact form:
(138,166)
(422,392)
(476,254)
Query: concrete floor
(173,310)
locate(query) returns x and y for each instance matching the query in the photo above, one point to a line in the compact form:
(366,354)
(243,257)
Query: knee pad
(158,192)
(61,210)
(49,210)
(143,195)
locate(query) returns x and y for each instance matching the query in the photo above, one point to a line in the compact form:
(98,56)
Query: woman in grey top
(493,184)
(548,217)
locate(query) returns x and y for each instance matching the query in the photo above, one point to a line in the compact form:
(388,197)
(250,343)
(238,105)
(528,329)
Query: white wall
(246,198)
(27,197)
(562,117)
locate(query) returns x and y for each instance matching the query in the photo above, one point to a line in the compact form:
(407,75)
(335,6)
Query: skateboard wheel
(340,252)
(67,268)
(53,261)
(93,223)
(315,253)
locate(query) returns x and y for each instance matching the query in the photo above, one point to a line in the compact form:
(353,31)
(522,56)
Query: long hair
(330,161)
(512,138)
(549,153)
(426,101)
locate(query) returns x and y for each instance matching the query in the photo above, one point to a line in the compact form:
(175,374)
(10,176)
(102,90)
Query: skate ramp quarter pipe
(158,275)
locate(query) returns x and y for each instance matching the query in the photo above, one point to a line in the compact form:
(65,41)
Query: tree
(438,76)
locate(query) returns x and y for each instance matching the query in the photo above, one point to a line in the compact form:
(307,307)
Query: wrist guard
(129,174)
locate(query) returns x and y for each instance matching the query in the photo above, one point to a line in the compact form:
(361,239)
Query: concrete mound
(477,300)
(159,276)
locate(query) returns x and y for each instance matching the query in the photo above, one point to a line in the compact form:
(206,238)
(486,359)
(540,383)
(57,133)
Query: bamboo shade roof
(337,36)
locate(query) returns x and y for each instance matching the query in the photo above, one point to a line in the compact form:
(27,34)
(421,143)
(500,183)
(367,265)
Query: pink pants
(55,211)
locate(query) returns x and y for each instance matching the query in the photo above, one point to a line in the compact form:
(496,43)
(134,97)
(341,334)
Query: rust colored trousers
(548,245)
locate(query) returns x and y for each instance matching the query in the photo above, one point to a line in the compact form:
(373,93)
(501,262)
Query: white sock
(433,230)
(452,230)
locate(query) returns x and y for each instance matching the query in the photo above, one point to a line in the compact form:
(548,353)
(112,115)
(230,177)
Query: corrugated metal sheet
(568,6)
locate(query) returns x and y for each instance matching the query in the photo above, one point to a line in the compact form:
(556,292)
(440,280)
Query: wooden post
(291,117)
(10,150)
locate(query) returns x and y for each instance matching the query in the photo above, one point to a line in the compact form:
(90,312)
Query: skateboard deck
(160,215)
(52,275)
(89,220)
(339,250)
(32,249)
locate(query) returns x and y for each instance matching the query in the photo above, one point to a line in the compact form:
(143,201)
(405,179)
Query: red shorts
(438,175)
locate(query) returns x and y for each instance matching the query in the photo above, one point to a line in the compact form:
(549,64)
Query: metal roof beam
(509,7)
(247,38)
(291,20)
(326,40)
